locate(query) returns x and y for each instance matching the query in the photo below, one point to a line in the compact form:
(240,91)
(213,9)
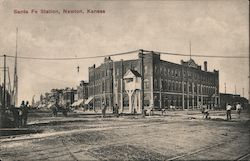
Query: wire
(72,58)
(196,55)
(47,77)
(129,52)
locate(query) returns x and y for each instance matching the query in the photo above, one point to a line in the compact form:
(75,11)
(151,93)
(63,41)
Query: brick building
(184,85)
(233,99)
(82,90)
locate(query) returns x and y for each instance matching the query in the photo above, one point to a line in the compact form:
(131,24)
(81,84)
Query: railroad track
(72,152)
(244,157)
(45,135)
(186,155)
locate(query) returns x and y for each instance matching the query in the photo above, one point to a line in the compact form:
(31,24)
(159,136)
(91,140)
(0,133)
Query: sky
(213,28)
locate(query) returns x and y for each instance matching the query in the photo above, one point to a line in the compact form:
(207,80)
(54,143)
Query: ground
(179,135)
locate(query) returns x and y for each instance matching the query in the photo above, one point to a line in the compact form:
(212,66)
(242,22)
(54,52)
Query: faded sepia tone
(124,80)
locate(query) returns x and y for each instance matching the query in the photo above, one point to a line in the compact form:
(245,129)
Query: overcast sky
(213,27)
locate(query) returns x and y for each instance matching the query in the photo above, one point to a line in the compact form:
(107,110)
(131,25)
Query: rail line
(243,157)
(40,136)
(201,150)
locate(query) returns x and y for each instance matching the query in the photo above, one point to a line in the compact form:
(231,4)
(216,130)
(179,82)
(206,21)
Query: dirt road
(176,136)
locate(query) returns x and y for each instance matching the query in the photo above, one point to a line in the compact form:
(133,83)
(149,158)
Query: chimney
(205,66)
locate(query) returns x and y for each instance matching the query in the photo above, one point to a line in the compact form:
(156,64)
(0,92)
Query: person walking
(20,113)
(116,108)
(238,109)
(229,108)
(103,110)
(25,110)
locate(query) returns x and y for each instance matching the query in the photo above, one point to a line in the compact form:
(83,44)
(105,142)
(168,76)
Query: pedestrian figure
(20,113)
(116,110)
(54,110)
(113,109)
(163,111)
(238,109)
(25,109)
(229,108)
(104,107)
(150,110)
(205,113)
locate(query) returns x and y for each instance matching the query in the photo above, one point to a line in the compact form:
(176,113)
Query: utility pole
(160,90)
(242,92)
(4,84)
(249,76)
(15,84)
(122,86)
(142,79)
(235,89)
(94,89)
(225,85)
(190,49)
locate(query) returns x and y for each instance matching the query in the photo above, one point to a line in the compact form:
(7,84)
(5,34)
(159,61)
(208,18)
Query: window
(155,83)
(169,85)
(117,71)
(145,69)
(155,69)
(129,80)
(146,84)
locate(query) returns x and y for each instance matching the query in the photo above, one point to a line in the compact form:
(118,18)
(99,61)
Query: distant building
(82,90)
(69,96)
(232,99)
(63,97)
(184,85)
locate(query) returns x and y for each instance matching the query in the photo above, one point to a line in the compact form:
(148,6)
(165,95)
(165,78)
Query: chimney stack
(205,66)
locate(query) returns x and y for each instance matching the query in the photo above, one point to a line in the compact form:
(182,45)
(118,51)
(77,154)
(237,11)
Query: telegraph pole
(142,79)
(94,89)
(4,84)
(190,49)
(15,78)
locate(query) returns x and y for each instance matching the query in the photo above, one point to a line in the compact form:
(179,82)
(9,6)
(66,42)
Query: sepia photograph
(119,80)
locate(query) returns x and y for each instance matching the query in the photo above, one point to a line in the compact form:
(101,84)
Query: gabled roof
(135,73)
(131,71)
(190,63)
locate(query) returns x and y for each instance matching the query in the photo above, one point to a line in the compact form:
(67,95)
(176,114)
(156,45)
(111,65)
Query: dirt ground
(179,135)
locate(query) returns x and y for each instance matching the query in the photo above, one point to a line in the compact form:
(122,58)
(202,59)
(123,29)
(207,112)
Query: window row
(170,72)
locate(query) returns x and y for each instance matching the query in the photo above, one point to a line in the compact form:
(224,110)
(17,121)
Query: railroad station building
(184,86)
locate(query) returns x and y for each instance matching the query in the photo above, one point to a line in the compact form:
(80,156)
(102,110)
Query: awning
(77,103)
(88,100)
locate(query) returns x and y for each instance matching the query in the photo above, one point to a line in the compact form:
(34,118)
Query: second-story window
(146,84)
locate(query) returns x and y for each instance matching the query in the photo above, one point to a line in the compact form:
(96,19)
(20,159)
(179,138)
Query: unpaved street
(178,135)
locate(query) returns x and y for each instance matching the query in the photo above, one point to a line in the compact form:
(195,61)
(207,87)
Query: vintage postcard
(124,80)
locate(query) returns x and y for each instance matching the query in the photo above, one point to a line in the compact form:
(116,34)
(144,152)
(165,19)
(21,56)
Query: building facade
(232,99)
(82,90)
(165,84)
